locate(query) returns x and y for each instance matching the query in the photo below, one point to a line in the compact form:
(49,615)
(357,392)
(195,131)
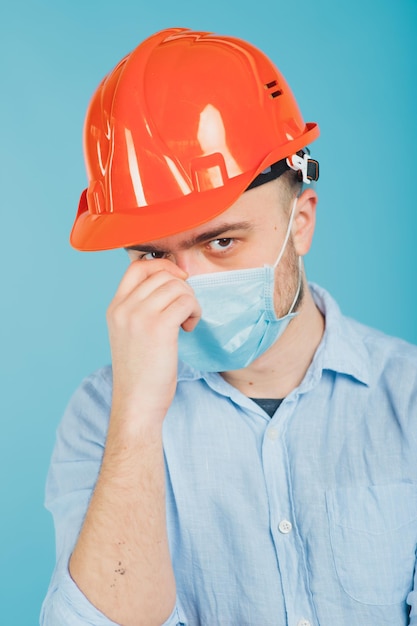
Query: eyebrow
(206,236)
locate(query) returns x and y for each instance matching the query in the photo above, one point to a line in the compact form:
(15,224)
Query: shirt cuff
(66,605)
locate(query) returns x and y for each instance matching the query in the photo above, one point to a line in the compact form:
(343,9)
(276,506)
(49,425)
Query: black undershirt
(269,405)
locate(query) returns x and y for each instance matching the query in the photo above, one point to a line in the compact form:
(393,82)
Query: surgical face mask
(238,321)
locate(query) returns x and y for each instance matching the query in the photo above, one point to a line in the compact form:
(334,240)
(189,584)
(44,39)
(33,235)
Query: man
(268,476)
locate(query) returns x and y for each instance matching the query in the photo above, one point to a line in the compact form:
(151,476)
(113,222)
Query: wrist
(133,425)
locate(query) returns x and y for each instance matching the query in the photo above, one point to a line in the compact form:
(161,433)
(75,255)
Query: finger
(153,311)
(160,300)
(184,311)
(138,271)
(152,283)
(192,321)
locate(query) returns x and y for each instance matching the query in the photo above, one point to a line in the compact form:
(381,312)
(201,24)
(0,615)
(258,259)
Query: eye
(150,256)
(221,244)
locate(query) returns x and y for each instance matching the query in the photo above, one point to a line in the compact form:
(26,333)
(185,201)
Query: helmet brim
(105,231)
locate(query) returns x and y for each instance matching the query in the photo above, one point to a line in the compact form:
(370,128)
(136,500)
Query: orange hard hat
(177,132)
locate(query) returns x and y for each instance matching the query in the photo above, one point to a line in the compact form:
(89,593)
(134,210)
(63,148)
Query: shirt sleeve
(72,475)
(412,600)
(66,605)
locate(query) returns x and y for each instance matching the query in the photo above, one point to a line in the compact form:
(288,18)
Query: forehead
(256,208)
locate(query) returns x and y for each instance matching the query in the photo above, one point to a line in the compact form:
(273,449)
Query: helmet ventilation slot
(271,85)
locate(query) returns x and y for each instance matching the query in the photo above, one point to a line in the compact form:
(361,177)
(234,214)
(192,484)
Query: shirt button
(286,527)
(272,434)
(303,622)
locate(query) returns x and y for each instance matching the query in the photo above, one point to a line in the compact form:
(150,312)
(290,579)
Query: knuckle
(185,301)
(117,316)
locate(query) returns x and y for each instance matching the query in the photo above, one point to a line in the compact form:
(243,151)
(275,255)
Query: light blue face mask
(238,321)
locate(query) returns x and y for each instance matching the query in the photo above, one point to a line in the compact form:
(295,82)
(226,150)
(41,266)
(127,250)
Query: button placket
(284,533)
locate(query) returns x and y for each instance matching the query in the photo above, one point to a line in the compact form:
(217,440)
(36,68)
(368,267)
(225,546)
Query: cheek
(286,280)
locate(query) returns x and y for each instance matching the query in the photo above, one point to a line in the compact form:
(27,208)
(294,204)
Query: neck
(282,368)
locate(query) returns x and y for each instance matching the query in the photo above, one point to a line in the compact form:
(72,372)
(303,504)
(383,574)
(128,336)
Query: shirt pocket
(373,534)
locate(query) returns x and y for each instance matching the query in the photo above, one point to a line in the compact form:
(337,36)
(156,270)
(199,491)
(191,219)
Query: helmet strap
(308,169)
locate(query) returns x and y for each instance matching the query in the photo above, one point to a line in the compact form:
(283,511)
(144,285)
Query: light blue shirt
(308,518)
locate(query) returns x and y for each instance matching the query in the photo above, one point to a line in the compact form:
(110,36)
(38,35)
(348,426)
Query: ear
(304,221)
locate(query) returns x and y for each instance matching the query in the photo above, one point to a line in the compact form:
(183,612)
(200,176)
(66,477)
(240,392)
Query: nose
(192,262)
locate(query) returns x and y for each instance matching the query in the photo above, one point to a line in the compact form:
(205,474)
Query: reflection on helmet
(177,132)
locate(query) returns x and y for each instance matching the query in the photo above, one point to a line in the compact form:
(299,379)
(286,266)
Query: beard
(288,275)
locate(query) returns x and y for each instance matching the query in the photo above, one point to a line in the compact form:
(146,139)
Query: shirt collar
(342,348)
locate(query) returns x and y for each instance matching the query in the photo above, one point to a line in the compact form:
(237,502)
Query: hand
(152,302)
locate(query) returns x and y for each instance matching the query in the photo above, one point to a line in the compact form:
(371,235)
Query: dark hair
(291,185)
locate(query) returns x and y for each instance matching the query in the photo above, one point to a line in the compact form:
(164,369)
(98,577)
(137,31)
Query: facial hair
(287,276)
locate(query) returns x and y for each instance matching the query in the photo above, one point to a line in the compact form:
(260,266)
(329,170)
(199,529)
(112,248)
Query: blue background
(352,67)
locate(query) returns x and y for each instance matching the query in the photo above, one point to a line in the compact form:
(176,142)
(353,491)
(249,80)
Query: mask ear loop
(300,260)
(287,234)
